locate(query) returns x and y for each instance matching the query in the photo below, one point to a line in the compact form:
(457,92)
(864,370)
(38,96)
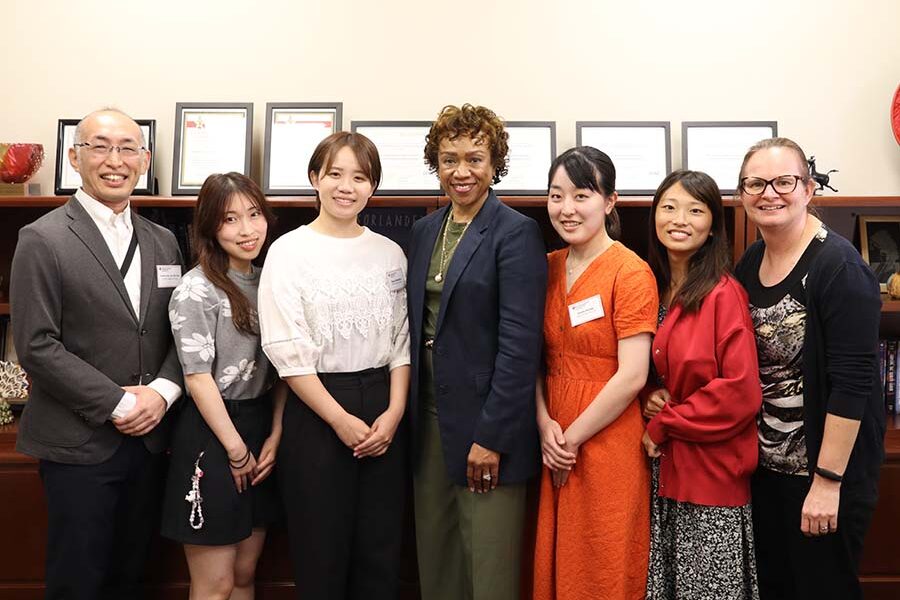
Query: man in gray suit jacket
(90,289)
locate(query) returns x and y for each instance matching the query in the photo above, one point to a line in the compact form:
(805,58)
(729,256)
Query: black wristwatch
(830,475)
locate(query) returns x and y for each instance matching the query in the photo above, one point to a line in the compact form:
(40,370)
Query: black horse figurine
(820,178)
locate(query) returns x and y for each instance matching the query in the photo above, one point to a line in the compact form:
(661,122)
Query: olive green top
(433,291)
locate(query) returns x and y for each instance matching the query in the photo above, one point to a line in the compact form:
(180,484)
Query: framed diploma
(401,146)
(293,130)
(717,147)
(68,180)
(210,138)
(532,148)
(641,151)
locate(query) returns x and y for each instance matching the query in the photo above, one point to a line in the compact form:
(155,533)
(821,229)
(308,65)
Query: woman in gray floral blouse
(218,496)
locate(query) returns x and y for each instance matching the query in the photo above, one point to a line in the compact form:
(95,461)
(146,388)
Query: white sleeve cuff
(124,406)
(169,390)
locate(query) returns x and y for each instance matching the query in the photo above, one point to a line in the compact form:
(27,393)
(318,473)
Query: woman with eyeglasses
(815,307)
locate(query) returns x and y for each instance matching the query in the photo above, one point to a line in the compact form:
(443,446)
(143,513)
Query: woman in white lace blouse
(332,304)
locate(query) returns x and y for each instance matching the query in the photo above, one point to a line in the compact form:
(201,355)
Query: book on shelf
(889,357)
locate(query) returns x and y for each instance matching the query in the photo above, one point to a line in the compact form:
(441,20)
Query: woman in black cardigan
(816,309)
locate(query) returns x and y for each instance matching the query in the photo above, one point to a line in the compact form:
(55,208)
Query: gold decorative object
(893,286)
(13,381)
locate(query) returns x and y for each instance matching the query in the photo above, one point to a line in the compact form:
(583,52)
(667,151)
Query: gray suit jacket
(78,338)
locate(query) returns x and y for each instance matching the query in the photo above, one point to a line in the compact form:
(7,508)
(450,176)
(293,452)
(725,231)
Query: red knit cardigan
(707,432)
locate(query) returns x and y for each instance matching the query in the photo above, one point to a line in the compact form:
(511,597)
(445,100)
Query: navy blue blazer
(488,339)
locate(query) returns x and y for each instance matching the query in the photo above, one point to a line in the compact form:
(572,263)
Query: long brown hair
(711,260)
(212,204)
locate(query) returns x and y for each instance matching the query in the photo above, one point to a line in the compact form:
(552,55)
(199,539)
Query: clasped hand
(364,440)
(557,453)
(149,409)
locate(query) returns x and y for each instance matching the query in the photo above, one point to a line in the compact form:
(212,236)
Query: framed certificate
(67,179)
(718,147)
(401,146)
(293,130)
(640,150)
(532,148)
(210,138)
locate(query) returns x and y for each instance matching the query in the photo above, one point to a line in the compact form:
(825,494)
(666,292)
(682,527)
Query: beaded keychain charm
(196,517)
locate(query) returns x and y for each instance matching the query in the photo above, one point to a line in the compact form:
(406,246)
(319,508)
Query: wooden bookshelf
(23,518)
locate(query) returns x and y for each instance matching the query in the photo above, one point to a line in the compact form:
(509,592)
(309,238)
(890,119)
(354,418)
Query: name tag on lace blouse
(586,310)
(396,280)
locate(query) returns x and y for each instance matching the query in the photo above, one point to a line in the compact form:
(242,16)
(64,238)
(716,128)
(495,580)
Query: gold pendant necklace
(440,274)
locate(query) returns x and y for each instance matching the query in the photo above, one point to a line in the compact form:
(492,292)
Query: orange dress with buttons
(593,534)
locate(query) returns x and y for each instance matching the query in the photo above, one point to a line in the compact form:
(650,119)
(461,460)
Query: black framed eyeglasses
(783,184)
(102,150)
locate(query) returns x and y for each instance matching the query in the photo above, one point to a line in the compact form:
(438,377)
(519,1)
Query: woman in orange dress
(593,517)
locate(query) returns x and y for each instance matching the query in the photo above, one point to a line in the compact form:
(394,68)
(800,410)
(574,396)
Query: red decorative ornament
(18,162)
(895,115)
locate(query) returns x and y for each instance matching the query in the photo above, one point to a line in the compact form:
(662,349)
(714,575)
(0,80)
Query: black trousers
(344,515)
(792,566)
(100,522)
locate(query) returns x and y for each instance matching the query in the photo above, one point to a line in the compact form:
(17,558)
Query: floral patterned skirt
(699,552)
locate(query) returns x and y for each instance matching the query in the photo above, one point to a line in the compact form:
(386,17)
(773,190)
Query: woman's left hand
(379,440)
(482,469)
(266,461)
(561,476)
(820,509)
(651,448)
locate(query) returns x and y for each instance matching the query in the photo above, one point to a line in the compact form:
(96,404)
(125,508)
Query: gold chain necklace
(583,262)
(440,274)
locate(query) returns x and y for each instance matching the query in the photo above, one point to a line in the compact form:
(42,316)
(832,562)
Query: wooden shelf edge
(375,202)
(889,306)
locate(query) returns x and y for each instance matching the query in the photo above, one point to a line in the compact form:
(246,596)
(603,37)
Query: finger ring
(487,477)
(823,528)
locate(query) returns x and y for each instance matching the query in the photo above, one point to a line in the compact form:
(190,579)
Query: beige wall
(826,70)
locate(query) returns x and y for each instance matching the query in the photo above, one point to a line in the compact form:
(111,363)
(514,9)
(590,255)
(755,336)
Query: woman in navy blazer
(476,285)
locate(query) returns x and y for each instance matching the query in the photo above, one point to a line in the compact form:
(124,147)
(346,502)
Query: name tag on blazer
(586,310)
(168,276)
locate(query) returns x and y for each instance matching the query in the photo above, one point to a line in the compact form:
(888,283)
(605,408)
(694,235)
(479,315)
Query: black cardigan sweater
(841,368)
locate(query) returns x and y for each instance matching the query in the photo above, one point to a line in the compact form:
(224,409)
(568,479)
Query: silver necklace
(440,274)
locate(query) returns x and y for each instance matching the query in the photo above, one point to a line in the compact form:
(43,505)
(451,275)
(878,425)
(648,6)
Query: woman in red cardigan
(703,407)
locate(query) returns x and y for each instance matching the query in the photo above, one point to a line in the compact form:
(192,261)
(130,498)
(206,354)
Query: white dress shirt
(117,230)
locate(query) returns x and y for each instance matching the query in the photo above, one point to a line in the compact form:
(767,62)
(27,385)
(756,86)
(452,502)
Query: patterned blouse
(208,342)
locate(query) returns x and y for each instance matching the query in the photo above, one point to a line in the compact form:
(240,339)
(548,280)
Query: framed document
(401,146)
(532,148)
(879,244)
(641,151)
(210,138)
(718,147)
(293,130)
(68,180)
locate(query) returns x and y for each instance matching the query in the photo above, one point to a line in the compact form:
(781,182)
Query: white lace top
(333,305)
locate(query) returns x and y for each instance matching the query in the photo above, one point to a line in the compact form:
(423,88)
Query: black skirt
(228,517)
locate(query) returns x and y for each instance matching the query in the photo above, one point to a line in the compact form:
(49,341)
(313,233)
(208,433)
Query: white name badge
(168,276)
(586,310)
(396,280)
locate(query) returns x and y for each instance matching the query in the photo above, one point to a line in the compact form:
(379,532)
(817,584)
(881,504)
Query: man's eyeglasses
(783,184)
(103,150)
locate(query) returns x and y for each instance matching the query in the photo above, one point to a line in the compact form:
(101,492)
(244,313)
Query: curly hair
(470,121)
